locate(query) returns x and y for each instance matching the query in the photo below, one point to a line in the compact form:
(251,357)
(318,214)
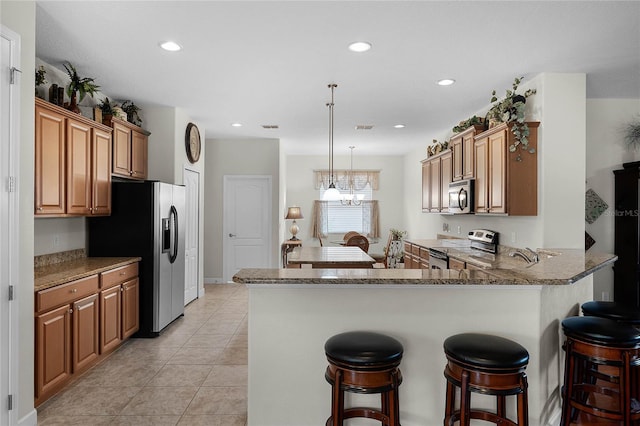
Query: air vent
(364,126)
(270,126)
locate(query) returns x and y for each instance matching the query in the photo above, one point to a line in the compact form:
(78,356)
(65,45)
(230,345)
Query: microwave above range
(461,197)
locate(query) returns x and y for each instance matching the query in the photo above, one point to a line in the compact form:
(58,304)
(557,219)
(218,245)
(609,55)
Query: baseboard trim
(30,419)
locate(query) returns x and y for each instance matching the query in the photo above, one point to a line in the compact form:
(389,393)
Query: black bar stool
(614,311)
(364,362)
(600,354)
(489,365)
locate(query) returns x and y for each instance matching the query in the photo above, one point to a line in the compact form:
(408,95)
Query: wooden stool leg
(394,401)
(523,402)
(500,405)
(465,400)
(569,375)
(337,400)
(449,403)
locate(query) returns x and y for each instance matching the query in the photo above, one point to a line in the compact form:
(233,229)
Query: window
(341,218)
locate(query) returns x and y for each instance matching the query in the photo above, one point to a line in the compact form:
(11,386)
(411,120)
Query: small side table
(287,247)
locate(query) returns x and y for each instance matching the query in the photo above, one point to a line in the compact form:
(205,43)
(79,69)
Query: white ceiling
(269,62)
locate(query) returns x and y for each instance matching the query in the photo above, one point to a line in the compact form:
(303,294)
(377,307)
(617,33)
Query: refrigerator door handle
(174,222)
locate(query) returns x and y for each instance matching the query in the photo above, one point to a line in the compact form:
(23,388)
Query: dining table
(330,257)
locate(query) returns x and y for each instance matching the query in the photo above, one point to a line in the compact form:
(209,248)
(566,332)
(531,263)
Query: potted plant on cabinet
(78,86)
(511,110)
(132,112)
(40,80)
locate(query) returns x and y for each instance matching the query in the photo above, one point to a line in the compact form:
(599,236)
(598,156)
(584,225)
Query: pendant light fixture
(352,199)
(331,194)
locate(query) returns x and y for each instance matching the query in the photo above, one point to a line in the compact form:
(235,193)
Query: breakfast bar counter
(292,312)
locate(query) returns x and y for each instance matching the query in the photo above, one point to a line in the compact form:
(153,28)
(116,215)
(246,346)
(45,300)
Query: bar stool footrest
(481,415)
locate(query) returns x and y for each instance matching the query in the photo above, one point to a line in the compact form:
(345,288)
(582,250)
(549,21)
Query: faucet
(520,254)
(535,257)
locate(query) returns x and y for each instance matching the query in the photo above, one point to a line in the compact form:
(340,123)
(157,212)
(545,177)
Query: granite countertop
(48,276)
(556,267)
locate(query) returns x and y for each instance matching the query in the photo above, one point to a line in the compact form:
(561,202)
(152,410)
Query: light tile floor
(194,373)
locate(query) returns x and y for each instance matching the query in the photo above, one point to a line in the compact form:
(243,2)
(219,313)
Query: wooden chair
(349,234)
(359,241)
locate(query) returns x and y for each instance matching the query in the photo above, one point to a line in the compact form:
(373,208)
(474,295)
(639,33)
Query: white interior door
(9,158)
(246,223)
(192,219)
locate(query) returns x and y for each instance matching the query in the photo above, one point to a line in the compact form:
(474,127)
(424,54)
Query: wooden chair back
(359,241)
(349,235)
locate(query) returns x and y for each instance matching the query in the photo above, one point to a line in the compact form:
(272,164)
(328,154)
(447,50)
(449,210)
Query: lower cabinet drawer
(66,293)
(118,275)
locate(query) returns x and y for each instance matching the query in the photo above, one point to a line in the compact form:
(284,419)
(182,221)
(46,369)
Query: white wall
(606,152)
(301,192)
(20,17)
(236,157)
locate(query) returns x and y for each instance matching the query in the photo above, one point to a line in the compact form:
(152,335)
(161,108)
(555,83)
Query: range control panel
(484,236)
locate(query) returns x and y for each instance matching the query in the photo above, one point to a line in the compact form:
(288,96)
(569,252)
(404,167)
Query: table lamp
(294,213)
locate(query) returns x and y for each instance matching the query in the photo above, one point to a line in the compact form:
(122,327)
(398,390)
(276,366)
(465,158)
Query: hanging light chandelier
(331,194)
(351,199)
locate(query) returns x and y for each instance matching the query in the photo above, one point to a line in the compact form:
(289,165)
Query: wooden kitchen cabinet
(85,333)
(505,185)
(130,149)
(463,153)
(66,340)
(79,322)
(72,163)
(436,175)
(50,159)
(130,307)
(456,264)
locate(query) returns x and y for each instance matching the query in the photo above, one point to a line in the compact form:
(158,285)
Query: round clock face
(192,143)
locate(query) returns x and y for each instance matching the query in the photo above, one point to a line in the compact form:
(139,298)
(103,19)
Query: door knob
(232,235)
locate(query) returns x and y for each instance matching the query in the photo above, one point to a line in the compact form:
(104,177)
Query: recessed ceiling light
(236,124)
(399,126)
(446,82)
(360,46)
(171,46)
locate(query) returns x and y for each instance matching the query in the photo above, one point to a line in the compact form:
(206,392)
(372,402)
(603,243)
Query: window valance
(342,178)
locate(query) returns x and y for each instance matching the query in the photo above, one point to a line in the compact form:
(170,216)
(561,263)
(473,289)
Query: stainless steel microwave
(461,196)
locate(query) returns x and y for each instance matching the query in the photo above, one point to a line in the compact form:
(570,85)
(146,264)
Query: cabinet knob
(122,288)
(123,273)
(70,310)
(131,173)
(39,208)
(74,290)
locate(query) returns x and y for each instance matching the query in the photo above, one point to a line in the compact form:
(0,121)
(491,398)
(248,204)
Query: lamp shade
(294,213)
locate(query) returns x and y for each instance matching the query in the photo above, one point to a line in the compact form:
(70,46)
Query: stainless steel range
(480,239)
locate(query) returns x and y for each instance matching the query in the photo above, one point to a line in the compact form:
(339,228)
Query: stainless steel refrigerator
(147,220)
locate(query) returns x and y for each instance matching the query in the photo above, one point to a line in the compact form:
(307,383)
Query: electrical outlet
(459,229)
(445,227)
(605,296)
(513,237)
(56,241)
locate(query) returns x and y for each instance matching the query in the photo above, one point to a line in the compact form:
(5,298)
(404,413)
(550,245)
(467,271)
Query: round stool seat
(486,352)
(364,349)
(613,311)
(601,331)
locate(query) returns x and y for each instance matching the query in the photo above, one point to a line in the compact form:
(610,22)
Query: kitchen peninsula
(292,312)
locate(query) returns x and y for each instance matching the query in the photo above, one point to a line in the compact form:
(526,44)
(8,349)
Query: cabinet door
(49,162)
(446,168)
(497,172)
(482,174)
(78,168)
(101,173)
(457,150)
(121,150)
(110,317)
(53,350)
(456,264)
(434,180)
(426,186)
(85,332)
(468,157)
(138,155)
(130,307)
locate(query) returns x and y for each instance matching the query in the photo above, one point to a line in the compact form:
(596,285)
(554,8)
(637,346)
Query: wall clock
(192,142)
